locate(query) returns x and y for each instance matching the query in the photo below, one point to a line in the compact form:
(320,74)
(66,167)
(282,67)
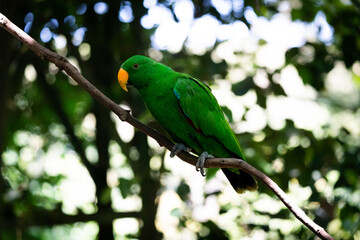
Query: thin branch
(63,64)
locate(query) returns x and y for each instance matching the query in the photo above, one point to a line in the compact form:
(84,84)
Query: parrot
(188,111)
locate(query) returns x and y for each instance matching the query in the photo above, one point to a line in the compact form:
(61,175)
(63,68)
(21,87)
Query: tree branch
(63,64)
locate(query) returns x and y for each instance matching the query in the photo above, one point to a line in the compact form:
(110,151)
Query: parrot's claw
(177,148)
(201,161)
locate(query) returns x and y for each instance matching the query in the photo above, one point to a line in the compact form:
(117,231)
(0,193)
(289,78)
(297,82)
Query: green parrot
(189,112)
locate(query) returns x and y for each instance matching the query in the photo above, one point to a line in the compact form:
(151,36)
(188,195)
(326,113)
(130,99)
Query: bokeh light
(255,52)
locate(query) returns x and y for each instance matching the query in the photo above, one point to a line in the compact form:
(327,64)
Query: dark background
(52,108)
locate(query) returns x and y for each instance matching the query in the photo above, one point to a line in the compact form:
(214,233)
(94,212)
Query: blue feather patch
(176,94)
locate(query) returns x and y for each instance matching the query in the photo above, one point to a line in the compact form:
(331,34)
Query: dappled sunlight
(225,97)
(299,105)
(285,226)
(326,185)
(202,35)
(282,74)
(271,56)
(280,31)
(88,125)
(74,193)
(121,204)
(263,203)
(30,73)
(155,146)
(300,195)
(165,221)
(87,230)
(255,120)
(181,170)
(117,158)
(293,85)
(101,8)
(340,84)
(126,226)
(209,210)
(309,115)
(125,13)
(126,131)
(85,51)
(74,190)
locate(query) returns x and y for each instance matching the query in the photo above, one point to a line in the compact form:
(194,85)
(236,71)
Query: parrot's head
(138,71)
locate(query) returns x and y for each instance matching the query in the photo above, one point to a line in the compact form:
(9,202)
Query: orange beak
(123,77)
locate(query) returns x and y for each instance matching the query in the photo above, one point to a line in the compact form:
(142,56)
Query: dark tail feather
(240,182)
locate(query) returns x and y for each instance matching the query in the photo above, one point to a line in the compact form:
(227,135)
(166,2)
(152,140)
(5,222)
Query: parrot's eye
(136,66)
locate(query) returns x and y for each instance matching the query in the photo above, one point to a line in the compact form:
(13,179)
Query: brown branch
(124,115)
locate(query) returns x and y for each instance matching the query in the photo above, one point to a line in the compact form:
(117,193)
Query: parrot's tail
(241,182)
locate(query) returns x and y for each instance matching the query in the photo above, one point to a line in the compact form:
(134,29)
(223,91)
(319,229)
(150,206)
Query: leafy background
(287,74)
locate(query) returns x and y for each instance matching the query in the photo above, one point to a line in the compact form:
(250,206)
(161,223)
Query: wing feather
(199,104)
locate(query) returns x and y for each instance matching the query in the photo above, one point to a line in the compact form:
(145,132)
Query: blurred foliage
(52,132)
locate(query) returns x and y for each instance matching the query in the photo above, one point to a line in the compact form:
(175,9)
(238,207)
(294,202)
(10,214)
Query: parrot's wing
(200,106)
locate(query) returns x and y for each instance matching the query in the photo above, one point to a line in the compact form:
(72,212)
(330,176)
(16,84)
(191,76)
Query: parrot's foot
(177,148)
(201,161)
